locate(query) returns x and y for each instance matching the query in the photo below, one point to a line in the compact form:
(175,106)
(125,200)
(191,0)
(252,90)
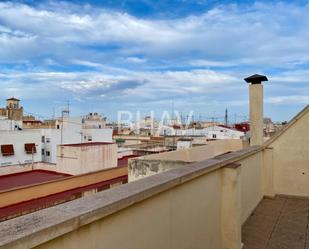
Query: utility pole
(226,117)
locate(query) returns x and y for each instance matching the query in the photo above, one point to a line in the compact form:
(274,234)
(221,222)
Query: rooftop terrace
(279,223)
(242,197)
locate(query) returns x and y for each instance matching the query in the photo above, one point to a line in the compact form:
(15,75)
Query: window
(43,139)
(30,148)
(89,138)
(58,126)
(47,140)
(43,152)
(7,149)
(214,135)
(100,126)
(47,153)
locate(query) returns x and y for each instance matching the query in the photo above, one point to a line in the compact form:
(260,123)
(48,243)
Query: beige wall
(196,154)
(251,184)
(291,159)
(187,216)
(83,159)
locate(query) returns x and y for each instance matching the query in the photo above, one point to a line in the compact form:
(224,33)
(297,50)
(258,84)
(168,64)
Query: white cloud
(131,84)
(273,34)
(138,59)
(288,100)
(209,63)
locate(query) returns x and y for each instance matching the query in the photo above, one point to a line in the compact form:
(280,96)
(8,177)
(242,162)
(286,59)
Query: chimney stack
(256,108)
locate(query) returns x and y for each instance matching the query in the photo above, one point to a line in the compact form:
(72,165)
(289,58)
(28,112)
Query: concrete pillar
(268,173)
(256,108)
(231,207)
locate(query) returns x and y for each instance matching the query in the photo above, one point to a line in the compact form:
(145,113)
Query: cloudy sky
(158,55)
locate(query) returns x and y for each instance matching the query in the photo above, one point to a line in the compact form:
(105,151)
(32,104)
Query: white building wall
(72,132)
(98,135)
(18,139)
(213,132)
(50,139)
(9,125)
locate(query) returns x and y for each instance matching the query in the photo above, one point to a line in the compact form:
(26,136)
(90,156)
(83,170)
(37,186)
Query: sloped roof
(289,124)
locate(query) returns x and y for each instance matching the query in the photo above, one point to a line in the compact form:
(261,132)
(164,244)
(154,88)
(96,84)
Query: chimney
(256,108)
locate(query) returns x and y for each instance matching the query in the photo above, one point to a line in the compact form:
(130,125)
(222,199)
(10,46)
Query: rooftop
(28,178)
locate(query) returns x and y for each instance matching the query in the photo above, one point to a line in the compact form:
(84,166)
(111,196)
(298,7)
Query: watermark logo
(164,123)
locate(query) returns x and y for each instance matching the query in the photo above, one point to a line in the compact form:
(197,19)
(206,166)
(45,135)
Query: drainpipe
(256,108)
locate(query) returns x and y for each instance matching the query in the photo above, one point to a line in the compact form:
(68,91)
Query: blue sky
(148,55)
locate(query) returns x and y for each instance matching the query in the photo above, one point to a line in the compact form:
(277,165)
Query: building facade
(71,130)
(20,147)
